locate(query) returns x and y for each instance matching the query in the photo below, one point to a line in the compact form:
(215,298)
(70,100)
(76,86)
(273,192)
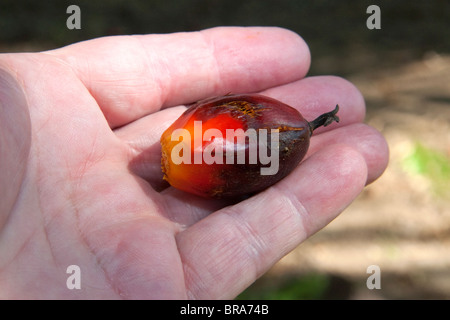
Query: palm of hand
(87,185)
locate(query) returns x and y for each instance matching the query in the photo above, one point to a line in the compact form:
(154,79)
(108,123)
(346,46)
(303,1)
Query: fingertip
(300,52)
(368,141)
(325,184)
(313,96)
(256,58)
(379,161)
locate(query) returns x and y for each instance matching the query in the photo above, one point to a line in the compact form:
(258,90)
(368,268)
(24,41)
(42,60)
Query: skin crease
(80,184)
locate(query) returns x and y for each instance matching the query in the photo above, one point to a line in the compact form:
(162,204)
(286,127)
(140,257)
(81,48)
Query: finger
(226,251)
(313,96)
(361,137)
(132,76)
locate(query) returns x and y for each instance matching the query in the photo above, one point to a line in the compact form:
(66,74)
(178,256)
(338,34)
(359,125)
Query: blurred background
(401,222)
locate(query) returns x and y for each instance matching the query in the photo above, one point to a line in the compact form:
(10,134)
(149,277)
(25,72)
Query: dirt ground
(398,223)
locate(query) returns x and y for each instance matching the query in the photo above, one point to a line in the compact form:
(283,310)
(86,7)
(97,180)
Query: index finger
(131,76)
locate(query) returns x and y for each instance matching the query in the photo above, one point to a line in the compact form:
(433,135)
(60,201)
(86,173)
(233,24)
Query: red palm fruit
(236,145)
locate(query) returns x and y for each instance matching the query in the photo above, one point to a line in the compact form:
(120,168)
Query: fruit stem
(324,119)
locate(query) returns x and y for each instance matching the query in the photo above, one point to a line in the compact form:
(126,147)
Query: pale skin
(80,178)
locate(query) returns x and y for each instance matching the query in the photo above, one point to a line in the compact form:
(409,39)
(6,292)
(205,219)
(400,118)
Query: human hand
(80,176)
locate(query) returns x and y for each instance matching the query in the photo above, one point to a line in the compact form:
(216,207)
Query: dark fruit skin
(246,111)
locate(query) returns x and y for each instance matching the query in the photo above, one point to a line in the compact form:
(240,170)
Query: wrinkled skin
(80,177)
